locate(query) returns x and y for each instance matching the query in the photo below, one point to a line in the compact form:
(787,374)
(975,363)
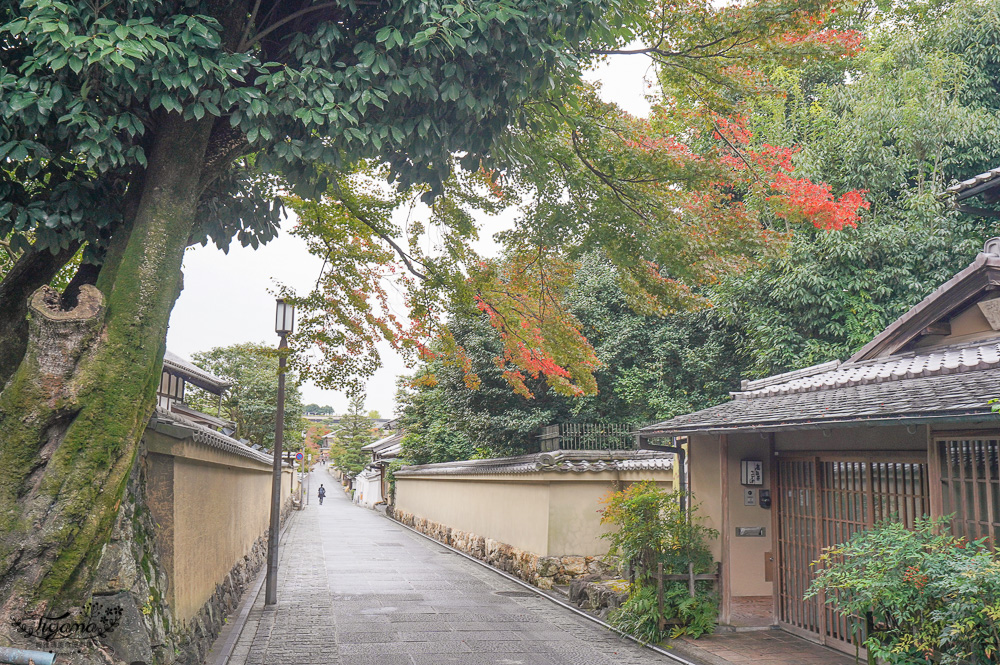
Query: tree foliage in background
(673,201)
(354,431)
(251,401)
(313,436)
(650,368)
(914,111)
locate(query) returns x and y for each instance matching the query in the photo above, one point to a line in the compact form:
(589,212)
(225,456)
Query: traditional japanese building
(799,461)
(371,485)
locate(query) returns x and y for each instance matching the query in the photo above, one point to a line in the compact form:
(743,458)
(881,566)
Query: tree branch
(250,22)
(247,43)
(622,197)
(406,258)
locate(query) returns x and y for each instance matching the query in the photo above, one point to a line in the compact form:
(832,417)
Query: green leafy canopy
(251,400)
(83,87)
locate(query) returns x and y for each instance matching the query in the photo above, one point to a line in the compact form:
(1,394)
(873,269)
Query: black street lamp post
(284,322)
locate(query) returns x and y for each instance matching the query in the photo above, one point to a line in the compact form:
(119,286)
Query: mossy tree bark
(73,412)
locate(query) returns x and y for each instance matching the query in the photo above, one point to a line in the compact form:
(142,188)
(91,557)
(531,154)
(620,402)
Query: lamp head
(284,318)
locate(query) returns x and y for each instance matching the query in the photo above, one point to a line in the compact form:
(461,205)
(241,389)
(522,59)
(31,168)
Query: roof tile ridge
(200,433)
(901,367)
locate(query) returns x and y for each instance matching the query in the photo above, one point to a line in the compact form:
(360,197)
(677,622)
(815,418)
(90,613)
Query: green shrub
(932,597)
(652,529)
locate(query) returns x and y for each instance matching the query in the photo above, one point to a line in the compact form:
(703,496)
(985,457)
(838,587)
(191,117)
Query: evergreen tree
(354,431)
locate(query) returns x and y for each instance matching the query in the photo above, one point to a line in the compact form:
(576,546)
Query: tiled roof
(948,384)
(198,416)
(193,374)
(390,452)
(907,366)
(972,183)
(566,461)
(167,422)
(383,443)
(369,473)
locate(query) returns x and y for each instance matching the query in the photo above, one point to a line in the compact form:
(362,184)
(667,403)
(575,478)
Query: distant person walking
(322,493)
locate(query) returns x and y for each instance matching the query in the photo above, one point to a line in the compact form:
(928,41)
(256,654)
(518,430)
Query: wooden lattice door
(822,502)
(797,544)
(970,486)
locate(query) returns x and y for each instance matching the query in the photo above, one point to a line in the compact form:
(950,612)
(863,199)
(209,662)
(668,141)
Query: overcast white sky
(226,300)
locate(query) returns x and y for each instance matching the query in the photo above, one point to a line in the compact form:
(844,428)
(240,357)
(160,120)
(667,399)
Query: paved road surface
(358,589)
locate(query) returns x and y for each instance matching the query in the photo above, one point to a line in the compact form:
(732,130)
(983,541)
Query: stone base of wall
(598,596)
(199,633)
(544,572)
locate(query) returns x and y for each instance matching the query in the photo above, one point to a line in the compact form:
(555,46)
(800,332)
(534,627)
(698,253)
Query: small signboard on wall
(752,472)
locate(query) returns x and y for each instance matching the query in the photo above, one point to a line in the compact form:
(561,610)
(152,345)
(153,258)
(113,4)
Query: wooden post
(659,593)
(869,627)
(725,605)
(774,468)
(691,578)
(934,486)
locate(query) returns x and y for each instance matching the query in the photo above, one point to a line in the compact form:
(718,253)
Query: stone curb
(236,628)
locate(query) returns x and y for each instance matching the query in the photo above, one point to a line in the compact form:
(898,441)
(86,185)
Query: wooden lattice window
(970,486)
(171,390)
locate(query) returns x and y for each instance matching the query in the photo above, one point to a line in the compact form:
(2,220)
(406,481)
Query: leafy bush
(652,529)
(932,597)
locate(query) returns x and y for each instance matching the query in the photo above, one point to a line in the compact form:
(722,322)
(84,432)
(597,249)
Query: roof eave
(954,294)
(981,188)
(966,417)
(195,375)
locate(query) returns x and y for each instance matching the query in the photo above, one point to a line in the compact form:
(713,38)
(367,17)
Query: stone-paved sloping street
(358,589)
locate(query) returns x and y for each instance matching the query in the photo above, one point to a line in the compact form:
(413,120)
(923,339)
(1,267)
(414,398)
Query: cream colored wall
(217,505)
(705,477)
(219,512)
(515,513)
(289,488)
(745,555)
(969,322)
(574,521)
(549,514)
(746,563)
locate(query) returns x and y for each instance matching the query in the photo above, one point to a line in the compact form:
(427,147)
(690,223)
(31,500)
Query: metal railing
(588,436)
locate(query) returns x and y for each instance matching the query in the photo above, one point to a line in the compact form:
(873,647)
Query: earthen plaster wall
(210,507)
(551,514)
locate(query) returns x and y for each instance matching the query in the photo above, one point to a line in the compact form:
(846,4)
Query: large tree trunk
(72,414)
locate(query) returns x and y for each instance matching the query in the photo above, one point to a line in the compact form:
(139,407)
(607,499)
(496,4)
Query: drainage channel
(534,591)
